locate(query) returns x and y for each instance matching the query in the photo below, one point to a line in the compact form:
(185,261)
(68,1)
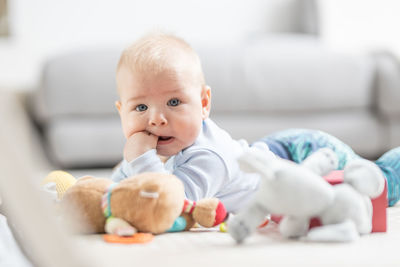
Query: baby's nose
(158,119)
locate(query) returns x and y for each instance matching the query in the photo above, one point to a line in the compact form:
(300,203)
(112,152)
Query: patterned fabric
(298,144)
(390,165)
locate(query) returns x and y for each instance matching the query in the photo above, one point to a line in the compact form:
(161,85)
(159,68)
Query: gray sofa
(260,84)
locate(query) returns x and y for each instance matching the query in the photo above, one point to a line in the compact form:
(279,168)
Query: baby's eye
(141,107)
(173,102)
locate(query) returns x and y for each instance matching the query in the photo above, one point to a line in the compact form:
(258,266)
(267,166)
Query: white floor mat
(10,253)
(265,248)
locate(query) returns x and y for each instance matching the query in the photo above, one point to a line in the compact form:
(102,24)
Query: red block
(379,205)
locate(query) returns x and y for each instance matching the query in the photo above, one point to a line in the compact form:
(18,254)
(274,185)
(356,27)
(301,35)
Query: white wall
(41,28)
(90,21)
(361,25)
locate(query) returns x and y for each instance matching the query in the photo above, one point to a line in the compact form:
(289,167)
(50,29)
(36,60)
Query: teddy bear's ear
(209,212)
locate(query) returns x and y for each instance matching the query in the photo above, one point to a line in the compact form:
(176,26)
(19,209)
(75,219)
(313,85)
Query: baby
(164,108)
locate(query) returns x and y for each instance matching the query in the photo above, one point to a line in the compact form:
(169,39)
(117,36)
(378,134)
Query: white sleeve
(147,162)
(202,172)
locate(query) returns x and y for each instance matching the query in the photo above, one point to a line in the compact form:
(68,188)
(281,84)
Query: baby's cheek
(187,126)
(125,127)
(127,131)
(193,133)
(129,128)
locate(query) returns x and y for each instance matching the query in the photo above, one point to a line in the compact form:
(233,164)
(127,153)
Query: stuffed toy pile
(299,193)
(149,202)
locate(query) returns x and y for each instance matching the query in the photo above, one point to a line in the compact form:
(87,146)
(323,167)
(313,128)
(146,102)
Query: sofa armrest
(387,84)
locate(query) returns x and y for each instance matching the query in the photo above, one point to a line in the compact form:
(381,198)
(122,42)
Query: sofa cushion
(287,73)
(388,80)
(85,141)
(266,74)
(98,141)
(362,130)
(79,83)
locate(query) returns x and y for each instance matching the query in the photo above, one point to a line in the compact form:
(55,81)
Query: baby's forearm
(148,162)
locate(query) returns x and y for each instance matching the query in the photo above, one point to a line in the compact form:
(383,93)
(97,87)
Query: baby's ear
(206,101)
(118,105)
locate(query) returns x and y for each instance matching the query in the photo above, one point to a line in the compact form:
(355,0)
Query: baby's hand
(138,144)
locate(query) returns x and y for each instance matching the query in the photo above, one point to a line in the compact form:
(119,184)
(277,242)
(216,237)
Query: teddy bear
(149,202)
(299,193)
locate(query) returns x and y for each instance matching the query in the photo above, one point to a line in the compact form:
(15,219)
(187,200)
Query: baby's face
(165,105)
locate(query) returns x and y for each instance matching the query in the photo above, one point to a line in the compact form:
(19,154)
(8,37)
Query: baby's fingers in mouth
(164,138)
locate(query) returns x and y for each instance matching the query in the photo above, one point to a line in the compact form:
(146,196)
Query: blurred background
(31,31)
(272,64)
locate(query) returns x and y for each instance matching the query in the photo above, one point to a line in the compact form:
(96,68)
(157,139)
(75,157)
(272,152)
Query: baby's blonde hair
(158,52)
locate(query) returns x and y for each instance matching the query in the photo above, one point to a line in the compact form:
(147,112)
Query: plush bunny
(149,202)
(299,193)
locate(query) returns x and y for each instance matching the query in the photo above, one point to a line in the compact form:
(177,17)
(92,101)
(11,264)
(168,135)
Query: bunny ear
(365,176)
(268,175)
(322,161)
(254,161)
(247,161)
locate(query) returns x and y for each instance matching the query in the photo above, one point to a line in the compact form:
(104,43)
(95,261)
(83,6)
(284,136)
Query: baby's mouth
(163,140)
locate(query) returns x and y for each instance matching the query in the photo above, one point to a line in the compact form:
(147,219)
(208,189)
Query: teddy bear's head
(150,202)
